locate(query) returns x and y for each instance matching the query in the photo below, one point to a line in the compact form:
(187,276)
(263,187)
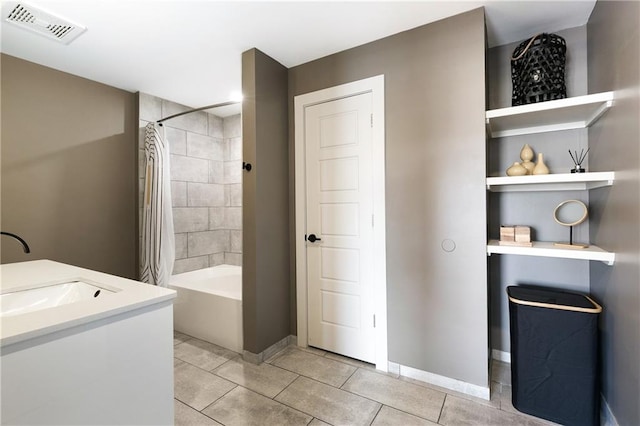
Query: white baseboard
(501,356)
(606,416)
(393,368)
(442,381)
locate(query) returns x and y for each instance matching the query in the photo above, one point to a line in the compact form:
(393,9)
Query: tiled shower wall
(206,183)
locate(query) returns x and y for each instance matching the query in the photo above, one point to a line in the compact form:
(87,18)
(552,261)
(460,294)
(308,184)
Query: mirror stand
(570,213)
(571,244)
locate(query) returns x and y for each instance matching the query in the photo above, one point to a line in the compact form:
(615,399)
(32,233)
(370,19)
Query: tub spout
(25,246)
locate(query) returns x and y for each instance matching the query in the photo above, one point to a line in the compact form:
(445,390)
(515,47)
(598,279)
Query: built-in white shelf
(562,114)
(548,249)
(551,182)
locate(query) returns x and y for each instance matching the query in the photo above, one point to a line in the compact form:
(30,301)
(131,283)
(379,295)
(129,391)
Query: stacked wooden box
(515,235)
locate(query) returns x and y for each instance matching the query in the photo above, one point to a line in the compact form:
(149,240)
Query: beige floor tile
(505,400)
(350,361)
(309,349)
(235,392)
(317,422)
(501,372)
(203,354)
(312,350)
(187,416)
(328,404)
(408,397)
(459,412)
(198,388)
(264,378)
(494,392)
(507,405)
(391,417)
(244,407)
(276,355)
(319,368)
(179,337)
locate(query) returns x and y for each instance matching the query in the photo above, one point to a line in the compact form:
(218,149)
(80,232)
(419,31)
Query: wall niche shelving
(551,182)
(563,114)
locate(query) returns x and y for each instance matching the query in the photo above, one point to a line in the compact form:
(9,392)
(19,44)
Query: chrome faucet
(25,246)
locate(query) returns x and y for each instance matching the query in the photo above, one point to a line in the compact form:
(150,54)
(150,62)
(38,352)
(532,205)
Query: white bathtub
(209,305)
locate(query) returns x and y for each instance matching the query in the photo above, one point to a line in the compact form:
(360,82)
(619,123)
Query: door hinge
(374,320)
(371,120)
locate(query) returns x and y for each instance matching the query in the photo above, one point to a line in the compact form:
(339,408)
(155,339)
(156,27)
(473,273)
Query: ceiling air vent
(44,23)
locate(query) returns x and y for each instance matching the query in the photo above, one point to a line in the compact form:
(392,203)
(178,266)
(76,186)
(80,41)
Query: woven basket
(537,69)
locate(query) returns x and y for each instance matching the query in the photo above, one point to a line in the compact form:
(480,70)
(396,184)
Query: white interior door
(339,213)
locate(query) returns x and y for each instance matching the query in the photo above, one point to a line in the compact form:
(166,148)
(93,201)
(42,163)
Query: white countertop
(129,295)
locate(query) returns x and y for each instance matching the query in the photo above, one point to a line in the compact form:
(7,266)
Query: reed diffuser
(578,160)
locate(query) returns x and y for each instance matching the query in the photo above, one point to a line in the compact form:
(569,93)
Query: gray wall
(68,169)
(435,171)
(206,182)
(614,64)
(265,280)
(534,208)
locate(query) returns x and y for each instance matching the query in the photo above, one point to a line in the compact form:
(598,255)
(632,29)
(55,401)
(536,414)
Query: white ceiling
(189,51)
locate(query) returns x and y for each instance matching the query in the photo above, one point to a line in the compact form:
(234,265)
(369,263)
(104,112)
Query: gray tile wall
(206,183)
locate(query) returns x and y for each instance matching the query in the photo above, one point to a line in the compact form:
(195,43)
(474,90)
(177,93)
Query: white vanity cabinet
(107,360)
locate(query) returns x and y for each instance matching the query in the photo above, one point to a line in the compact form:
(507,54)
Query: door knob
(312,238)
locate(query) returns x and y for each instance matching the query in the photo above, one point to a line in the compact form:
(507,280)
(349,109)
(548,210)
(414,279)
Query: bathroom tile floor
(214,386)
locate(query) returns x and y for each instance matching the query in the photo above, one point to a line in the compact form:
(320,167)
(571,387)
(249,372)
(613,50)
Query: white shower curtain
(158,240)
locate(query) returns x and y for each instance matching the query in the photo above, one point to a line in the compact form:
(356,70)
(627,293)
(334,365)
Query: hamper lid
(553,299)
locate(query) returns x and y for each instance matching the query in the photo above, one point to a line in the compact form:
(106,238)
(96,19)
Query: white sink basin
(34,299)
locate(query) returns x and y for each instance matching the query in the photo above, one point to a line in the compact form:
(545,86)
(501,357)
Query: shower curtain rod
(197,109)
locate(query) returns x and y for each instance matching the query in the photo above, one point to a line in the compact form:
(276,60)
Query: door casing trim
(374,85)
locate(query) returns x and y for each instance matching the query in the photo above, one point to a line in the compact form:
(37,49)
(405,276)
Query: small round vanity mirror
(570,213)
